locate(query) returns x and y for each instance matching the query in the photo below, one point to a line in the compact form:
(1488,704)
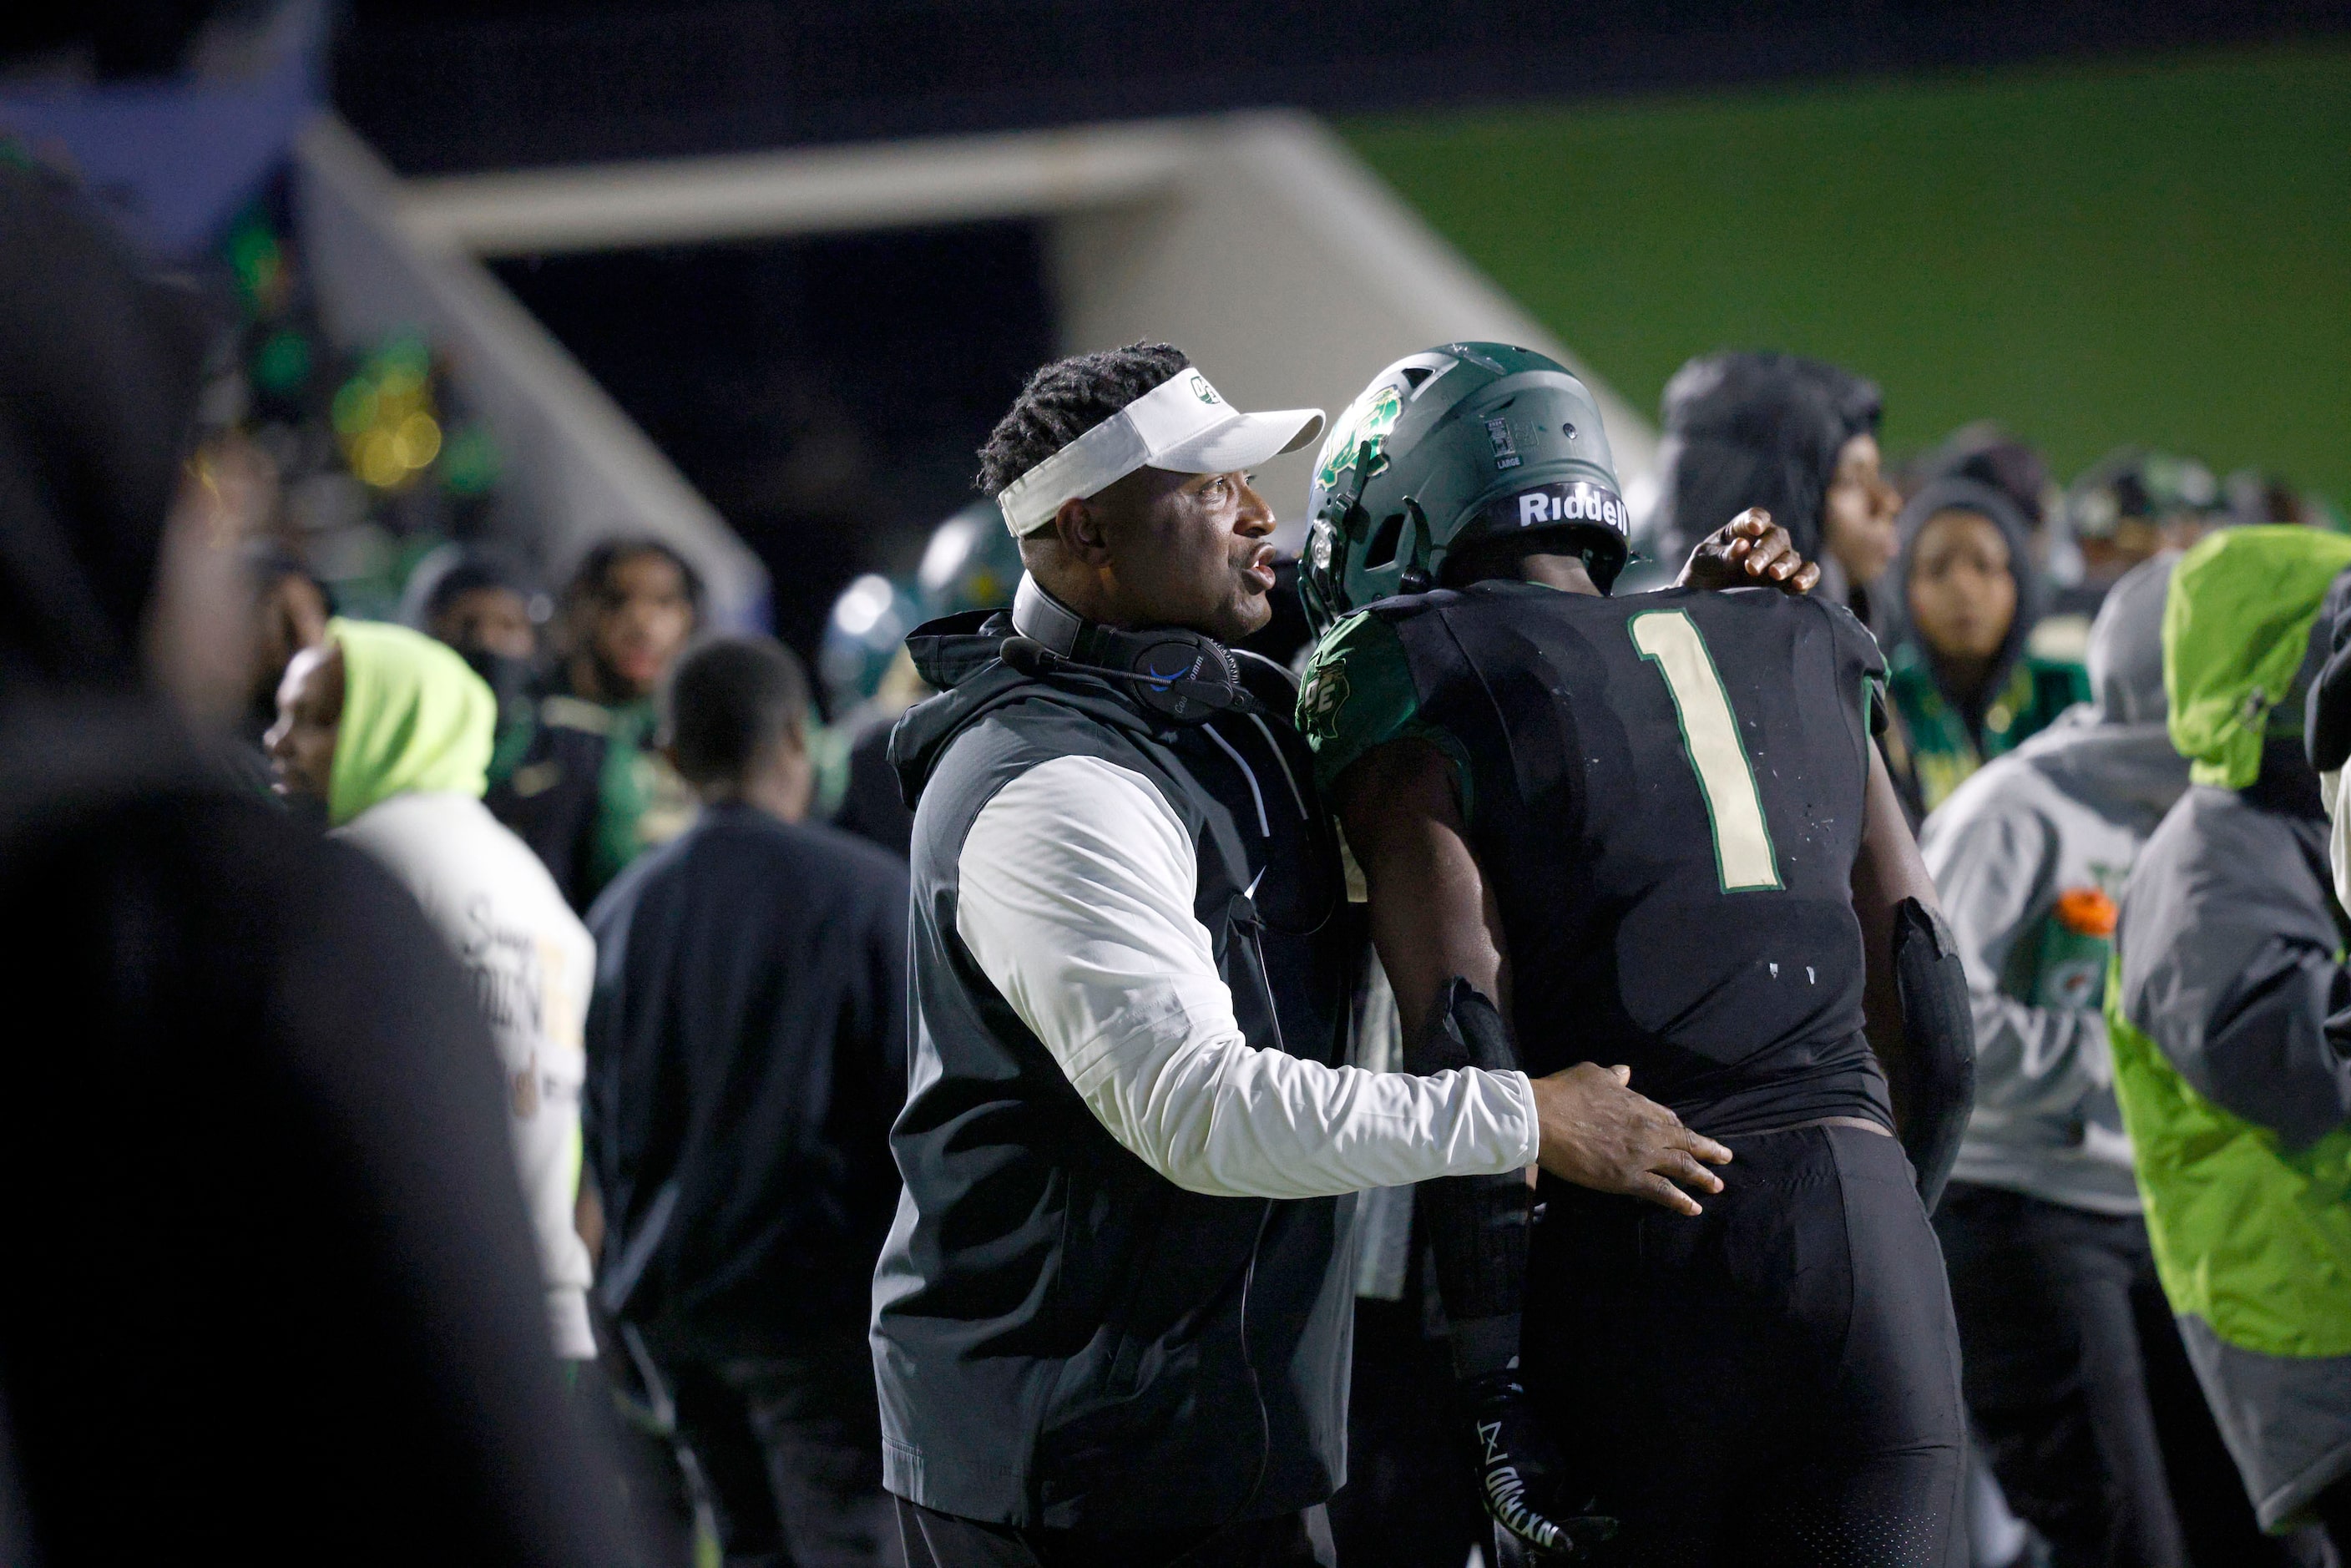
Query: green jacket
(2226,1016)
(1937,754)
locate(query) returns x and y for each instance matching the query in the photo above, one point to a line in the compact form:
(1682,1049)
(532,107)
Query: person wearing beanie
(1963,686)
(2226,1017)
(1793,436)
(2080,1396)
(392,731)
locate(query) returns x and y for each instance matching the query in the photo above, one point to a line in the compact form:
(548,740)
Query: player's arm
(1438,931)
(1916,1000)
(1433,921)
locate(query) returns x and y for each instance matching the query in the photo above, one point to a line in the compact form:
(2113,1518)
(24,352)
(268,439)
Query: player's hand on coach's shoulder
(1597,1132)
(1749,551)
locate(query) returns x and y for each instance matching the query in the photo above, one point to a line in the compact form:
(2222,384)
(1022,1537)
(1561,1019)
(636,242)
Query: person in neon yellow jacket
(393,731)
(2228,1013)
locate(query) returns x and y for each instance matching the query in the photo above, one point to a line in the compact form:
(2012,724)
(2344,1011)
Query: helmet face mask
(1455,447)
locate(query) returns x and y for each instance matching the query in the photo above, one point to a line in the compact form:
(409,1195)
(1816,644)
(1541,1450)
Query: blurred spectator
(2228,1025)
(2081,1394)
(1986,452)
(2250,495)
(1962,688)
(748,1041)
(1988,455)
(1794,436)
(2132,503)
(476,600)
(585,788)
(272,1289)
(392,732)
(290,607)
(485,605)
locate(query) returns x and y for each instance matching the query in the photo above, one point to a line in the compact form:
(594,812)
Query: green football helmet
(972,562)
(1466,443)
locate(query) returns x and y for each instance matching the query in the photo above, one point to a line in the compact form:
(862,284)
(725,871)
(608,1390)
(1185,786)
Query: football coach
(1113,1319)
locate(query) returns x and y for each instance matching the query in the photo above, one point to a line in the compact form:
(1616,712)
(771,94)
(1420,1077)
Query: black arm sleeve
(1938,1037)
(1478,1224)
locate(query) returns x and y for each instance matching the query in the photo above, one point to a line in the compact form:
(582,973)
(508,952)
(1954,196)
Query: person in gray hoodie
(2083,1399)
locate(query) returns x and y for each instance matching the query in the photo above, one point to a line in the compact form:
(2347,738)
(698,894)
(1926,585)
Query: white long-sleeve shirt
(1076,886)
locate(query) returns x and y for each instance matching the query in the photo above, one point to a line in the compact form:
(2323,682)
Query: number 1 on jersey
(1742,841)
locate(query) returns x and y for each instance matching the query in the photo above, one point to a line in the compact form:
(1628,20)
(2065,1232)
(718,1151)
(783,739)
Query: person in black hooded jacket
(271,1293)
(1793,436)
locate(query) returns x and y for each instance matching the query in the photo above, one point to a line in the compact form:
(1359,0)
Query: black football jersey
(1666,793)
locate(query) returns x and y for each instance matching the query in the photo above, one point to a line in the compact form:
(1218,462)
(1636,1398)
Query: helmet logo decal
(1373,415)
(1506,451)
(1320,700)
(1202,390)
(1578,502)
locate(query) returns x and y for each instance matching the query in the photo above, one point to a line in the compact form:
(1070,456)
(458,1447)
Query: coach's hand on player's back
(1749,551)
(1597,1132)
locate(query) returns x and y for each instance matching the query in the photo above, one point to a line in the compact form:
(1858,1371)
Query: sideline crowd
(642,873)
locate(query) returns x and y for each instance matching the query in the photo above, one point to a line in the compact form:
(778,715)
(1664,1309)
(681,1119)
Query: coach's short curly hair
(1066,399)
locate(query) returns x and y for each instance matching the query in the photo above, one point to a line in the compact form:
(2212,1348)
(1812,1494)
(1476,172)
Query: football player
(1652,833)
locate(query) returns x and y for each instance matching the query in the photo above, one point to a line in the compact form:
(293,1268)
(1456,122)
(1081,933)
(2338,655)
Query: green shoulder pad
(1358,692)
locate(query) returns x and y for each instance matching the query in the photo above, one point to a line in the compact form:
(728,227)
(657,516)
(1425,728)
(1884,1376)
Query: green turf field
(2156,251)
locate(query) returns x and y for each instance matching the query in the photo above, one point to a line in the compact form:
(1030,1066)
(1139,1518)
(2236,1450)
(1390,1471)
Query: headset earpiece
(1182,676)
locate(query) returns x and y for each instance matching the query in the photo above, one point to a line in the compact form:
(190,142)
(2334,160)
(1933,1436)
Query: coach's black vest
(1063,1336)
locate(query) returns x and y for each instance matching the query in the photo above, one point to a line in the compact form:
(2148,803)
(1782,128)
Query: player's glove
(1519,1471)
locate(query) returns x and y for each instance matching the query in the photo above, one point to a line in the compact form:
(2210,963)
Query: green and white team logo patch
(1357,435)
(1320,700)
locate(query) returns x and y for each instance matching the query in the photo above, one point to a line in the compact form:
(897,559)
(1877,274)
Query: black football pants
(2087,1408)
(935,1540)
(1775,1382)
(789,1445)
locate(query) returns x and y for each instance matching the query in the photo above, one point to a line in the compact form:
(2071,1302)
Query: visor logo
(1576,503)
(1202,390)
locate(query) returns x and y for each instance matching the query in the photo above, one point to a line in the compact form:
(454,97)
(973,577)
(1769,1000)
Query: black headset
(1187,677)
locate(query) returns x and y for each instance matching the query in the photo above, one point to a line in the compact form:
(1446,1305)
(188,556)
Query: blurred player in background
(588,789)
(971,563)
(747,1041)
(483,602)
(1650,831)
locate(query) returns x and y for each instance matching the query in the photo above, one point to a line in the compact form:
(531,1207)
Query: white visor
(1180,425)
